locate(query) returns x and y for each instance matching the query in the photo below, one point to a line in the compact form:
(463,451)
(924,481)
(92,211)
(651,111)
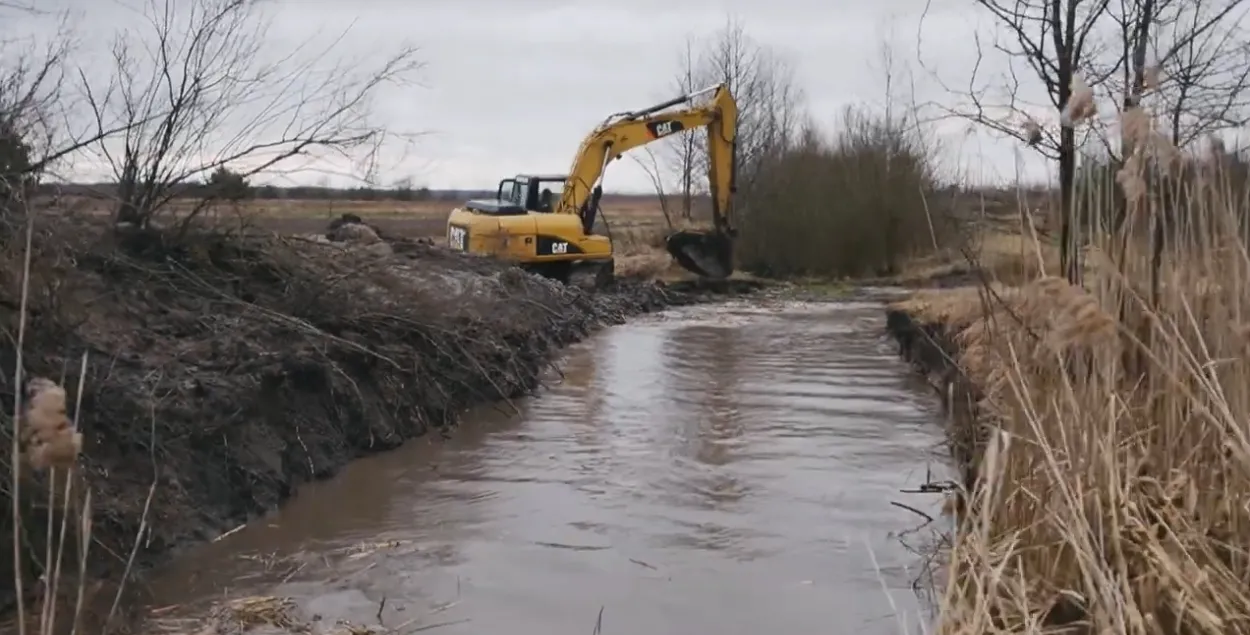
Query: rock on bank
(230,370)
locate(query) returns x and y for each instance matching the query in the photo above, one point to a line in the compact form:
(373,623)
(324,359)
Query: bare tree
(898,133)
(35,108)
(680,154)
(196,92)
(1203,60)
(769,105)
(766,92)
(654,171)
(1191,55)
(1051,40)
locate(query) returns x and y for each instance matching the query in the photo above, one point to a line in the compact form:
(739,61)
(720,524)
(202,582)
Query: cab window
(548,195)
(517,193)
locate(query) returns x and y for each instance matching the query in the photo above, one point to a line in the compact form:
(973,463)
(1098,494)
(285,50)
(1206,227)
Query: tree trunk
(1069,249)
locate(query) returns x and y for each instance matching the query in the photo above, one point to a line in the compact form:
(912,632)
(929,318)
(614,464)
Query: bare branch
(1204,70)
(769,105)
(37,129)
(195,91)
(653,171)
(1054,39)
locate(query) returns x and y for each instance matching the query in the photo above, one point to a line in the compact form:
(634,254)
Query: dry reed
(45,440)
(1113,481)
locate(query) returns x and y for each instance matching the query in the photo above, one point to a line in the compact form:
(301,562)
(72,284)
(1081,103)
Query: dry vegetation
(1105,432)
(214,371)
(1099,400)
(1098,387)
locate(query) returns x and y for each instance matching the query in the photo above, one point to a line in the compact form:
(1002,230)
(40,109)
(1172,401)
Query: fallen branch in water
(913,510)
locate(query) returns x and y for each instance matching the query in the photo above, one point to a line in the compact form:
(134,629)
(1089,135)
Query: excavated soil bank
(227,371)
(932,352)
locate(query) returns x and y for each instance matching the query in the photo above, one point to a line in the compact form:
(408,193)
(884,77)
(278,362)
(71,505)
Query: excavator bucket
(705,253)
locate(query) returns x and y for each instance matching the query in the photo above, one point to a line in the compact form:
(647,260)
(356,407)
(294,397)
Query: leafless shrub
(853,204)
(195,91)
(34,103)
(770,109)
(1051,41)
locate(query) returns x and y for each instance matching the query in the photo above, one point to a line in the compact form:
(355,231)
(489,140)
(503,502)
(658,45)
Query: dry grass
(46,443)
(1113,468)
(1002,256)
(640,251)
(276,614)
(1005,246)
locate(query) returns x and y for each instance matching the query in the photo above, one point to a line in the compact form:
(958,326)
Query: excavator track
(593,275)
(588,275)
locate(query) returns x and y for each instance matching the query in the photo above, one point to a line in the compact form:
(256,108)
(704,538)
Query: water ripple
(721,469)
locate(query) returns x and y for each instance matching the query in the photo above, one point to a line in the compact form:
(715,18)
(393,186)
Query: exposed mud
(932,352)
(223,371)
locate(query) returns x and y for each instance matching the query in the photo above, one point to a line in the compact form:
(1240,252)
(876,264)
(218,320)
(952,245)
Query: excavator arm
(705,253)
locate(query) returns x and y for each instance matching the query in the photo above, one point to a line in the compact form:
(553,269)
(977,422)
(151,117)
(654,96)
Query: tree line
(867,195)
(810,200)
(232,190)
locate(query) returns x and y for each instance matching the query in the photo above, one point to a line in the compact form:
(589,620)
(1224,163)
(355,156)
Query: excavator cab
(531,193)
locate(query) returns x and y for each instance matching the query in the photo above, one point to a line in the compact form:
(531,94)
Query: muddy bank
(932,350)
(227,371)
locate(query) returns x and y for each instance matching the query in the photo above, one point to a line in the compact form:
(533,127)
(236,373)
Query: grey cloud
(513,86)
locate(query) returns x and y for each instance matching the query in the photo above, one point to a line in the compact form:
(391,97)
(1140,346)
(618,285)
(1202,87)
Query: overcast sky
(513,85)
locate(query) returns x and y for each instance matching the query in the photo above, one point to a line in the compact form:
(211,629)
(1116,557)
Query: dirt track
(232,370)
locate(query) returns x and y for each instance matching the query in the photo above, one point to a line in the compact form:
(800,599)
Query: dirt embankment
(228,371)
(932,351)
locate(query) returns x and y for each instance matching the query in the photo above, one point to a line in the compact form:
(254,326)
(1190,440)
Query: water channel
(717,469)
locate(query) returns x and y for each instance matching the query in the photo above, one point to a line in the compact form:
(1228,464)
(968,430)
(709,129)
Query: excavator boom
(552,234)
(708,254)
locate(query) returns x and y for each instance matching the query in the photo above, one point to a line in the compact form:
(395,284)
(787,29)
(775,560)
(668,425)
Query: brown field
(415,219)
(637,224)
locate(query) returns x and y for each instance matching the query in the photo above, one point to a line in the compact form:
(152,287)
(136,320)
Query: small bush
(228,185)
(17,172)
(846,206)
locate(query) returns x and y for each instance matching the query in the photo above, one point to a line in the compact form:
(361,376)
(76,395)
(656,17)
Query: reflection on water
(715,469)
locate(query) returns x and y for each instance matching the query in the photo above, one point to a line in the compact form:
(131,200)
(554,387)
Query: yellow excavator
(545,223)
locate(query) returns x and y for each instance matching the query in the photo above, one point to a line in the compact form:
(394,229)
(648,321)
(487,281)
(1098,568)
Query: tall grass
(45,445)
(1112,488)
(849,205)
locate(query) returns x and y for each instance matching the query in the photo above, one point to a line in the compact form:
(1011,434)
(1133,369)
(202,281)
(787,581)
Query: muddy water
(725,469)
